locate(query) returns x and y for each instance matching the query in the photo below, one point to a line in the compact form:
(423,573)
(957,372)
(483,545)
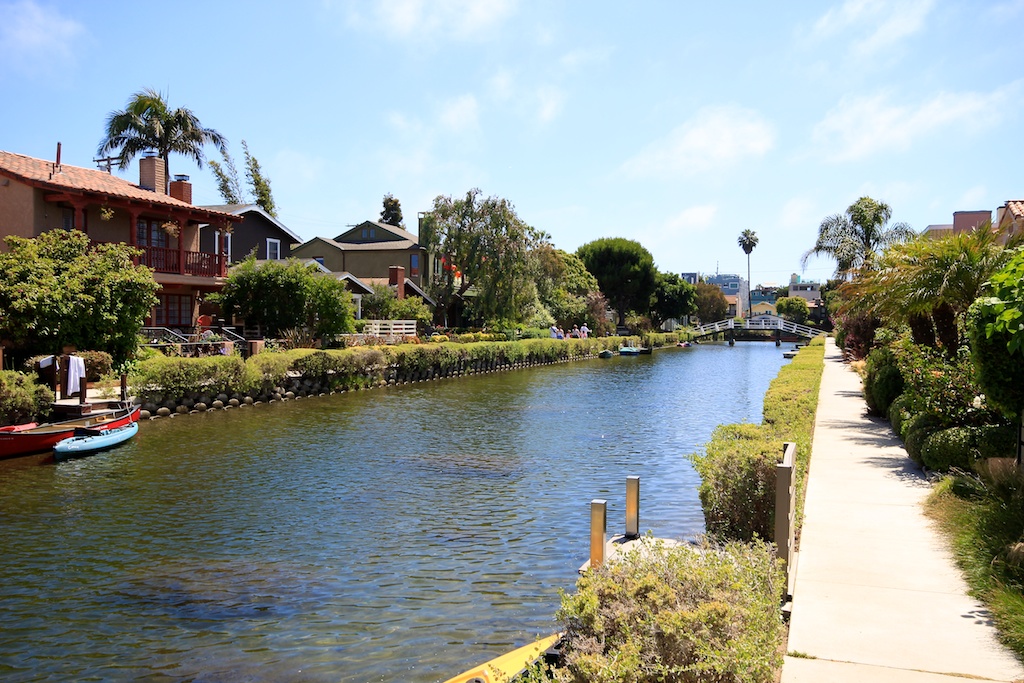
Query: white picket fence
(390,329)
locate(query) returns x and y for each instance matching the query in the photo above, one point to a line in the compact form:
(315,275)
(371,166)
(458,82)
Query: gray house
(258,232)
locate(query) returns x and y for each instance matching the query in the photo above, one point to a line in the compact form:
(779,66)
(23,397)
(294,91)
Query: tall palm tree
(747,241)
(855,239)
(148,123)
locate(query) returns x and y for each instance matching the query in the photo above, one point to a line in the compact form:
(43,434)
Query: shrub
(21,399)
(883,382)
(737,490)
(902,409)
(946,449)
(996,441)
(676,613)
(917,429)
(165,377)
(737,467)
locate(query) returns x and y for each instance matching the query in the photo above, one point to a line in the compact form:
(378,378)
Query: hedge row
(737,467)
(179,384)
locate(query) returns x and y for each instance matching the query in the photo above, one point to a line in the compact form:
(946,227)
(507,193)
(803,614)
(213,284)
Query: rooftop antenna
(105,163)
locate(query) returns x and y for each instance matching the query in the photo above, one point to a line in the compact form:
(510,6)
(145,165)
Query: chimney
(396,277)
(181,189)
(152,174)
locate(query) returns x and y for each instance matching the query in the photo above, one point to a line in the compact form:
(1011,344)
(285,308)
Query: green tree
(793,308)
(481,243)
(674,297)
(60,289)
(391,214)
(855,239)
(625,271)
(563,283)
(231,189)
(282,295)
(147,122)
(710,303)
(747,241)
(259,183)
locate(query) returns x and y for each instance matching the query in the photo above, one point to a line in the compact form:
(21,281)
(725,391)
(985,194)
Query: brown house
(38,195)
(368,251)
(259,233)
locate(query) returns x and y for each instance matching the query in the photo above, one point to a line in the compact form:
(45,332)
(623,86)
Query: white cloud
(580,58)
(798,213)
(859,127)
(973,198)
(714,137)
(692,219)
(550,101)
(462,19)
(460,114)
(37,39)
(876,24)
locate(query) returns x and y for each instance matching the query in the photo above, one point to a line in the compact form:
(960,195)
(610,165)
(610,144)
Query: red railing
(164,260)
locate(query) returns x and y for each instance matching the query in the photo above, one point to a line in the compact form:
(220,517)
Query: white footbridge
(760,322)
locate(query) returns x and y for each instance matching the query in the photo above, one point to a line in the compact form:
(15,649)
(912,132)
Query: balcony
(164,260)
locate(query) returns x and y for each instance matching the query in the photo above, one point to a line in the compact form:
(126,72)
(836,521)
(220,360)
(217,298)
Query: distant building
(731,285)
(963,221)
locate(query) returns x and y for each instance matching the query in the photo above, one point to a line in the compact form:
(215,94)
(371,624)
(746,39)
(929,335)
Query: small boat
(645,350)
(39,438)
(683,345)
(88,441)
(629,351)
(607,353)
(509,665)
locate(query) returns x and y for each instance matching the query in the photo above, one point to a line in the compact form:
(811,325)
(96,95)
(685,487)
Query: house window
(364,233)
(173,310)
(68,219)
(319,259)
(224,244)
(373,232)
(414,265)
(273,249)
(150,234)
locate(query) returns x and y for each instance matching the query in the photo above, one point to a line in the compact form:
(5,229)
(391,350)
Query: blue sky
(677,124)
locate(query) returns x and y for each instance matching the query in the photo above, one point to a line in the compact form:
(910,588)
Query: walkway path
(877,595)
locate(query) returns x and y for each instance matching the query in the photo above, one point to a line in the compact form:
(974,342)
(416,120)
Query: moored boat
(39,438)
(607,353)
(89,441)
(628,351)
(509,665)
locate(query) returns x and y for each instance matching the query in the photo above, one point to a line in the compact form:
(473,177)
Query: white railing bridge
(761,322)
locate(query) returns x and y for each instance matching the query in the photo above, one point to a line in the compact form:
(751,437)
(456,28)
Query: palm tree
(854,239)
(148,123)
(747,241)
(930,283)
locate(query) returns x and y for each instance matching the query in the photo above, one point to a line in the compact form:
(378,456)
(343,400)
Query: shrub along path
(877,596)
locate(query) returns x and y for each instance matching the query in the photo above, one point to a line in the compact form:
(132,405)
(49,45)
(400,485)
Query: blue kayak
(89,441)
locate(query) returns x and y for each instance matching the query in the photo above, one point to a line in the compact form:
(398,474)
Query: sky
(676,124)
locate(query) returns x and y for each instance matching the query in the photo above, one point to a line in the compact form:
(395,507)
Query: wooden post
(598,531)
(785,510)
(1,357)
(124,387)
(83,389)
(632,507)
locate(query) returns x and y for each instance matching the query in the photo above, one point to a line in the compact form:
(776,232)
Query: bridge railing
(762,323)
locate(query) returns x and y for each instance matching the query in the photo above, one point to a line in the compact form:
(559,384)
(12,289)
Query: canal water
(400,534)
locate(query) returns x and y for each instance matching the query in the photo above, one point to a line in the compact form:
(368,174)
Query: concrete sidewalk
(877,596)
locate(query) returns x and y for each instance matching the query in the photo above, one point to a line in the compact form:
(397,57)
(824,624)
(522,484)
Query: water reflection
(394,535)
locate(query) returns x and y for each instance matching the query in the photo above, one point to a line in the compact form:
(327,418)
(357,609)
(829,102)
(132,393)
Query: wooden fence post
(785,511)
(598,531)
(632,507)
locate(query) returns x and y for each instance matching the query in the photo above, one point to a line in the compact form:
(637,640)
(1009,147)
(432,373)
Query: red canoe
(34,438)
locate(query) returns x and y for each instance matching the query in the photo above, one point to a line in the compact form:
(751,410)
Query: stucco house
(258,233)
(37,195)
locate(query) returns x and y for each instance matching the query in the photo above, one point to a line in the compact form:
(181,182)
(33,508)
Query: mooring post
(124,387)
(598,531)
(83,388)
(632,507)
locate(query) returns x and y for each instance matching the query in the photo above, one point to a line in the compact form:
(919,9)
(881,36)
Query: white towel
(76,371)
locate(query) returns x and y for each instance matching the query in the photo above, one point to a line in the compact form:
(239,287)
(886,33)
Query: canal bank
(877,596)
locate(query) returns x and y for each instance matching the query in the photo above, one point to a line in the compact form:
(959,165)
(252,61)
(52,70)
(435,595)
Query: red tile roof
(1016,208)
(87,181)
